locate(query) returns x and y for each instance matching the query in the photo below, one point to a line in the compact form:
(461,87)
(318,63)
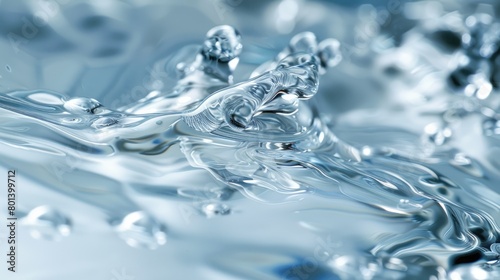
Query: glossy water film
(367,149)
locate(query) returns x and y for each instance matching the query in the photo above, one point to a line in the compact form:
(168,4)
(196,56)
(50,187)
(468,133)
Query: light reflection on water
(228,163)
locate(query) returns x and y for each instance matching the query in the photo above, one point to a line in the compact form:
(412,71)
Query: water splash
(431,215)
(210,70)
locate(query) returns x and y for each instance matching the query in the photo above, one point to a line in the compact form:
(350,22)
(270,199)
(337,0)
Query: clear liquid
(231,181)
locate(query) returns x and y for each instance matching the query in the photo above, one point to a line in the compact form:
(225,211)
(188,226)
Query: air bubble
(140,230)
(44,222)
(104,122)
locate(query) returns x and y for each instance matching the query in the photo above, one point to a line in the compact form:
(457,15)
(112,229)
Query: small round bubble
(104,122)
(304,42)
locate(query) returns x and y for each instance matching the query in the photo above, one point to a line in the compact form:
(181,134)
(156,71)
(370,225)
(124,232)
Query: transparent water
(218,174)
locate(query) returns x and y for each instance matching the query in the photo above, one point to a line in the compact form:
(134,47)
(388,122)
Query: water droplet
(181,67)
(304,42)
(222,43)
(46,98)
(464,163)
(159,122)
(329,53)
(491,126)
(47,223)
(367,151)
(82,105)
(104,122)
(437,134)
(482,37)
(140,230)
(7,67)
(215,209)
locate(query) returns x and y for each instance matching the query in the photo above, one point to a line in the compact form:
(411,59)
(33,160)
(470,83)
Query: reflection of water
(249,180)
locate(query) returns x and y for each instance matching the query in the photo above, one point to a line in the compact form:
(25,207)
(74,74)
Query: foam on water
(258,153)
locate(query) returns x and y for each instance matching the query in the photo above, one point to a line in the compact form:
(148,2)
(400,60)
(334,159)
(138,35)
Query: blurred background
(106,49)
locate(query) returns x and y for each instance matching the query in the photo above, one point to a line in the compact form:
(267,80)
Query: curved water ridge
(263,139)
